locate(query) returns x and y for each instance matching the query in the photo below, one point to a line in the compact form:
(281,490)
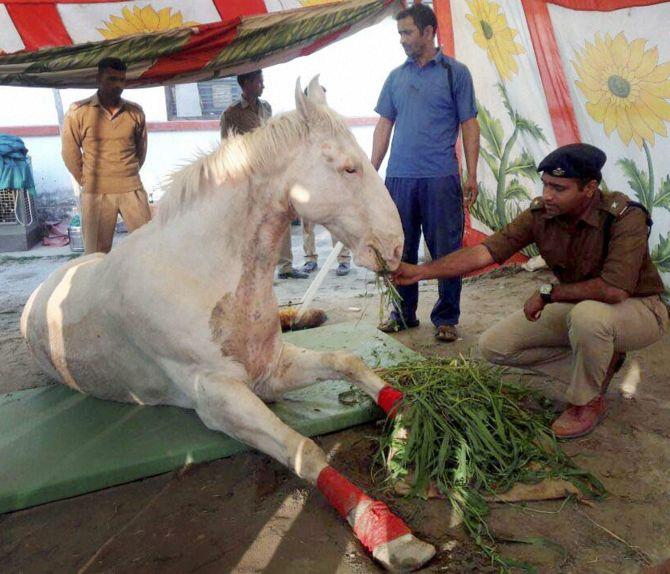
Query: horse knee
(308,460)
(346,363)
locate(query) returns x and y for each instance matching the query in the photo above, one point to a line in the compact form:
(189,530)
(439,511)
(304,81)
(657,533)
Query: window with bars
(201,101)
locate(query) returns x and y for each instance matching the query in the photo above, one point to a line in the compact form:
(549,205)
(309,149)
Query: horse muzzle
(374,256)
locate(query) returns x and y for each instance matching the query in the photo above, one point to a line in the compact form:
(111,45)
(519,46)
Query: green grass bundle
(389,298)
(465,430)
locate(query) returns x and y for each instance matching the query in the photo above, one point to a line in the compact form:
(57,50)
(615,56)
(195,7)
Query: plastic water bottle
(74,233)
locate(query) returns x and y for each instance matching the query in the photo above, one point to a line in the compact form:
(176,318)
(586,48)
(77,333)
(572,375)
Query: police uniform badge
(558,172)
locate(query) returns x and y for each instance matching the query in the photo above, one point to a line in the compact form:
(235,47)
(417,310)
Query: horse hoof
(404,554)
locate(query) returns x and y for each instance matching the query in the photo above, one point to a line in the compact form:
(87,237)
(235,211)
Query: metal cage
(19,228)
(17,206)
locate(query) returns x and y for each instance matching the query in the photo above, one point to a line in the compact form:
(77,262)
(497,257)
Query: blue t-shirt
(427,119)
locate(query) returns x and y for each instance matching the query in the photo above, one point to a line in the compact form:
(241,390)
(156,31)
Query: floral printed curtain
(57,43)
(551,73)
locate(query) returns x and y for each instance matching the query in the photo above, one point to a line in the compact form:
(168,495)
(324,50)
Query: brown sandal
(446,333)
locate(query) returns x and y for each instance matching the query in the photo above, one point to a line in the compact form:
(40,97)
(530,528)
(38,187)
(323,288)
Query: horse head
(333,183)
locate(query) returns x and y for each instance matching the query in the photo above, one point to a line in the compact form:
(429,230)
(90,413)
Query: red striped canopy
(57,43)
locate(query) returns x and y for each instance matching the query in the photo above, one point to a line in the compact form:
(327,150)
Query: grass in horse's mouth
(389,298)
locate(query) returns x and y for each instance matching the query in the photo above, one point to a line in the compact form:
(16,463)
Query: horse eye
(350,169)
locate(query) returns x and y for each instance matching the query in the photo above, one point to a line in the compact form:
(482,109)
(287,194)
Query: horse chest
(247,331)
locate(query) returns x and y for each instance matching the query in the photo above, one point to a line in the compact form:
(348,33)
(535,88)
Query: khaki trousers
(99,212)
(309,246)
(285,263)
(575,342)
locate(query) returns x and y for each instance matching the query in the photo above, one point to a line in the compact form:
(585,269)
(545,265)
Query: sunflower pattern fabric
(548,73)
(55,43)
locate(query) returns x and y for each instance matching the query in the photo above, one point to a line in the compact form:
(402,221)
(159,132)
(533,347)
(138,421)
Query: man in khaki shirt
(250,112)
(104,144)
(246,115)
(607,298)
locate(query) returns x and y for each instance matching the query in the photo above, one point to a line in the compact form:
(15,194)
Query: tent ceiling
(55,43)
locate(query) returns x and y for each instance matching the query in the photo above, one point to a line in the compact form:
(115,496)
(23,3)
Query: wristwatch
(545,292)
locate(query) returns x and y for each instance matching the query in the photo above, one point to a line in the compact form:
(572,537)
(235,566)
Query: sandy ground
(249,514)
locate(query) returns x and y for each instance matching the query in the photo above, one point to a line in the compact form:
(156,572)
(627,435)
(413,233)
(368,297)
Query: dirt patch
(249,514)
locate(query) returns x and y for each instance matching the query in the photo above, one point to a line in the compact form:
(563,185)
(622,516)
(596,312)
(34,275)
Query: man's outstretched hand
(407,274)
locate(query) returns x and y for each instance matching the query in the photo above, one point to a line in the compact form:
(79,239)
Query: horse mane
(243,155)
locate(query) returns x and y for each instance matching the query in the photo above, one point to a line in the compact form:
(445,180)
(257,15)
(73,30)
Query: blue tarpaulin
(15,171)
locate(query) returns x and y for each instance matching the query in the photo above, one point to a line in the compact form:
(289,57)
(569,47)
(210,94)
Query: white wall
(168,151)
(48,170)
(353,71)
(27,107)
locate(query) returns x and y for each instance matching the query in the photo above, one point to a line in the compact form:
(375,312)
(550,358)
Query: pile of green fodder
(469,432)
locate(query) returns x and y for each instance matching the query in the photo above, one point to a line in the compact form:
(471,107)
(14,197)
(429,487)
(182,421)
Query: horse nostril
(397,252)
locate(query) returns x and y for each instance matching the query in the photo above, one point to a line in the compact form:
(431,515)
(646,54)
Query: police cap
(574,161)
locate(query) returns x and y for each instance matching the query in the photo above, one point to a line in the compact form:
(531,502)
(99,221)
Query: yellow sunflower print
(625,87)
(494,35)
(142,21)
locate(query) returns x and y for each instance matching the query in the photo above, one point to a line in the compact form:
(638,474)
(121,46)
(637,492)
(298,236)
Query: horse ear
(315,91)
(303,103)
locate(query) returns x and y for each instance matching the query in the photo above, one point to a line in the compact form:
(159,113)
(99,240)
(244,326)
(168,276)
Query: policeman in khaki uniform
(606,301)
(250,112)
(104,144)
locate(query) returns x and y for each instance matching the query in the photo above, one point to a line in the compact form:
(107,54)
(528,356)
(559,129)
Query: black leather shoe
(293,274)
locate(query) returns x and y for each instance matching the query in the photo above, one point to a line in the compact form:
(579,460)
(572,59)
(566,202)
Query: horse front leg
(228,405)
(300,367)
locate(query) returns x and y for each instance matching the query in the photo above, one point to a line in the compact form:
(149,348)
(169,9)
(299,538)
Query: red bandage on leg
(343,495)
(388,400)
(376,525)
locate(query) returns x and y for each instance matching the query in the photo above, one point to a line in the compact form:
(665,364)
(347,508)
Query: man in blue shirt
(425,102)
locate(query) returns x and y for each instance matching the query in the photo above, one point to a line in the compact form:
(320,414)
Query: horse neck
(249,225)
(268,220)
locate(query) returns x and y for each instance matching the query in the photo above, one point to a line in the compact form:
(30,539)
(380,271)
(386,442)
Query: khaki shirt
(240,118)
(581,252)
(104,152)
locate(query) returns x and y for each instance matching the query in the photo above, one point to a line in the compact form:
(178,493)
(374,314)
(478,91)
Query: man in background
(104,144)
(250,112)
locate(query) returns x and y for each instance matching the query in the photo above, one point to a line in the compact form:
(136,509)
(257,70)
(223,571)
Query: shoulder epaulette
(619,204)
(231,107)
(615,203)
(76,105)
(132,105)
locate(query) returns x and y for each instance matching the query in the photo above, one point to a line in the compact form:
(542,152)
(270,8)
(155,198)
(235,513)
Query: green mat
(56,443)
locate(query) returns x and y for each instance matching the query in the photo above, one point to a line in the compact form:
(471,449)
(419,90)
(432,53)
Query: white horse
(183,311)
